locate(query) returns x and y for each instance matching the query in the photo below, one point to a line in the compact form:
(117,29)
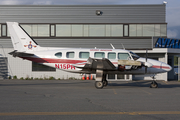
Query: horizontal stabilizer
(20,54)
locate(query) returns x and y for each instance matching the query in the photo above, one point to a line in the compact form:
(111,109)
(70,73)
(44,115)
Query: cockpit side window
(134,56)
(123,56)
(59,54)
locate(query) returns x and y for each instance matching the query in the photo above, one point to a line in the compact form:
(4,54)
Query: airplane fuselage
(74,59)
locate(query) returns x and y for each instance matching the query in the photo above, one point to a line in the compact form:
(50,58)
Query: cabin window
(99,55)
(70,54)
(123,56)
(84,55)
(59,54)
(112,55)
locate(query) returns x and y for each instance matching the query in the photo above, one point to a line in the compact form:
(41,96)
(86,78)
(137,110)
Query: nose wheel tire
(154,85)
(99,84)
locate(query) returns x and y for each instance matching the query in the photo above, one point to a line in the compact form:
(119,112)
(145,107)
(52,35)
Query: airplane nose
(166,67)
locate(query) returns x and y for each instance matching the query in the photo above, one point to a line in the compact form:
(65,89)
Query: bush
(15,77)
(51,78)
(9,77)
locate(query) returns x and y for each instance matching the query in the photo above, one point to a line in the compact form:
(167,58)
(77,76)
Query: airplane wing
(15,53)
(96,64)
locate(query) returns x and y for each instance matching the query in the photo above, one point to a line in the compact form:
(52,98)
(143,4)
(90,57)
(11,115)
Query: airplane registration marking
(91,113)
(64,66)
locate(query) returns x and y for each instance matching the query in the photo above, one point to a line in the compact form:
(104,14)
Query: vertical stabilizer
(21,41)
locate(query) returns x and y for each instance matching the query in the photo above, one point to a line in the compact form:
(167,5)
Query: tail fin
(21,41)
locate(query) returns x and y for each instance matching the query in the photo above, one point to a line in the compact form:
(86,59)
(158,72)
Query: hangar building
(137,27)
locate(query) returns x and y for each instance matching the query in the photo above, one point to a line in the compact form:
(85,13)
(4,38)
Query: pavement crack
(101,105)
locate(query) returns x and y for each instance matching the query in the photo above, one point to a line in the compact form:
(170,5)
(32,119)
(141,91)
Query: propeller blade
(146,62)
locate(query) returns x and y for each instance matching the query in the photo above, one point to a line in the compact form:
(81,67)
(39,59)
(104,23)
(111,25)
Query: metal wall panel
(83,13)
(99,43)
(88,43)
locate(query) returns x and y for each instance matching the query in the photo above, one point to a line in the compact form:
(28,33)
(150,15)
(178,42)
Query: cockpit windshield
(134,56)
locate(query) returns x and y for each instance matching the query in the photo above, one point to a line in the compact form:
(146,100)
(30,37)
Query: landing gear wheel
(105,82)
(154,85)
(99,84)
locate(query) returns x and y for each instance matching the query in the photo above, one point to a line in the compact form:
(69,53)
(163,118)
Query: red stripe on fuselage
(52,60)
(160,67)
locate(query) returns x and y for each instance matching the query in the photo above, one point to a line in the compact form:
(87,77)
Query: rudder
(20,39)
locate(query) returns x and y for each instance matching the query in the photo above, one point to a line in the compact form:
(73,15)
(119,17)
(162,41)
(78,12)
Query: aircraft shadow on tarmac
(161,84)
(41,83)
(119,84)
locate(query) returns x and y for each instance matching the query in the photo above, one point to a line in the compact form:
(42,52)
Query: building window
(52,30)
(99,55)
(86,30)
(139,30)
(0,30)
(97,30)
(132,30)
(120,76)
(63,30)
(70,54)
(117,30)
(163,30)
(147,30)
(84,55)
(92,30)
(37,30)
(126,30)
(39,67)
(77,30)
(111,76)
(3,30)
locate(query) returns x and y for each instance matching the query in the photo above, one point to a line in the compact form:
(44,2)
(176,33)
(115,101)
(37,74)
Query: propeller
(146,61)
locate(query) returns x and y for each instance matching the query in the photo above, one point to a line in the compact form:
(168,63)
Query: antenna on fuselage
(123,46)
(112,46)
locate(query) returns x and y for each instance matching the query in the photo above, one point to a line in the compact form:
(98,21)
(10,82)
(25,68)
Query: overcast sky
(172,8)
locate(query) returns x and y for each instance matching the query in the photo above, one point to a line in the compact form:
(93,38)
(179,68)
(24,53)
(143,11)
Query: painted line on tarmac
(91,113)
(165,82)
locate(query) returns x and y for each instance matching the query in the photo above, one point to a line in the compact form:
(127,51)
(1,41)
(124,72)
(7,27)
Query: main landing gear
(102,83)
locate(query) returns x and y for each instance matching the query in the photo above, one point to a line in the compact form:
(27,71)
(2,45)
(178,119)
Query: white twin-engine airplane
(78,60)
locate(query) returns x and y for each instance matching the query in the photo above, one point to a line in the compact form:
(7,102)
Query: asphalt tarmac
(80,100)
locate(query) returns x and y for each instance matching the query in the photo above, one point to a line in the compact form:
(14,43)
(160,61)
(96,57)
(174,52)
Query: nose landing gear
(154,84)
